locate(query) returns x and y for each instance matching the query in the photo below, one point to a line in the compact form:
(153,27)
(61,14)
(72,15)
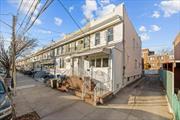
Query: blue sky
(157,22)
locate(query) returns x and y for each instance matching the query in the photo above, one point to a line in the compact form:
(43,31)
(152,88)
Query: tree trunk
(8,74)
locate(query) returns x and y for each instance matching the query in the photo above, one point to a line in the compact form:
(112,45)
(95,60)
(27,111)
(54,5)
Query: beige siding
(132,49)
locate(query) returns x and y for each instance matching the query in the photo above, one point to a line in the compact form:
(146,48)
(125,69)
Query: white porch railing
(100,78)
(103,86)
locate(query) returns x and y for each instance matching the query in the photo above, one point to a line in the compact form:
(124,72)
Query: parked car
(2,72)
(5,103)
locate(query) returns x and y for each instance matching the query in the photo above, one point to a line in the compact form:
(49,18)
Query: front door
(78,66)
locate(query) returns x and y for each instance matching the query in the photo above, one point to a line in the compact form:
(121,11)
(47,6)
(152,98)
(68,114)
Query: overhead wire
(19,8)
(46,5)
(66,10)
(5,23)
(26,16)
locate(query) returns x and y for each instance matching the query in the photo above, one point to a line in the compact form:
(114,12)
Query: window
(86,42)
(97,38)
(79,44)
(67,48)
(62,49)
(92,63)
(61,63)
(98,62)
(105,62)
(57,51)
(110,34)
(73,46)
(134,44)
(135,64)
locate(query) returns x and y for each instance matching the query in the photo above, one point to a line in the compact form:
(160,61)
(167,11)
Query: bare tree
(165,51)
(22,44)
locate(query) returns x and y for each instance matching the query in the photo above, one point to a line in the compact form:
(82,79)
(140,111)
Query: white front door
(78,66)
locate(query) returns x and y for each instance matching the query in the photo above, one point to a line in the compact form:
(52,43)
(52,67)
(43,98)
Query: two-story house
(108,50)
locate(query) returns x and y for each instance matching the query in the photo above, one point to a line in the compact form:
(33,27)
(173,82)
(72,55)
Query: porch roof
(93,51)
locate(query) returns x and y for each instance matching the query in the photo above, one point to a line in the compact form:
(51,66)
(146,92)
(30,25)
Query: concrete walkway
(143,100)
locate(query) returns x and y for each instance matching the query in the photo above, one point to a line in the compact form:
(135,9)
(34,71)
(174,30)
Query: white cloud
(155,14)
(62,34)
(71,8)
(170,7)
(26,4)
(58,21)
(44,31)
(155,28)
(105,10)
(89,8)
(144,36)
(83,21)
(104,2)
(37,22)
(142,29)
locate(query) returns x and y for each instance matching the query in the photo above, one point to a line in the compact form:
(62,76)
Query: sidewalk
(51,104)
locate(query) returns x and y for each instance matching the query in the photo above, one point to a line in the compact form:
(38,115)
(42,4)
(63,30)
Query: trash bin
(54,83)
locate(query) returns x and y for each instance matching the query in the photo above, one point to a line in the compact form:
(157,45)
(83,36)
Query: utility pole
(14,53)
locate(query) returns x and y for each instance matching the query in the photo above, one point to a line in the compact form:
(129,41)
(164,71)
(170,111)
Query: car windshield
(2,89)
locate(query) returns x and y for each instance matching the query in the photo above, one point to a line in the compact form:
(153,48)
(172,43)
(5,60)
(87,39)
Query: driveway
(143,100)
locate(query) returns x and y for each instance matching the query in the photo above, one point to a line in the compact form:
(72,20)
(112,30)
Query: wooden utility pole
(14,53)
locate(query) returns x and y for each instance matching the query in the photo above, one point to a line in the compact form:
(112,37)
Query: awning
(92,51)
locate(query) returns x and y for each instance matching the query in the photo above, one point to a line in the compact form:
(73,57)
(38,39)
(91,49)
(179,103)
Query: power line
(5,23)
(18,10)
(48,29)
(46,5)
(25,16)
(6,32)
(6,14)
(60,2)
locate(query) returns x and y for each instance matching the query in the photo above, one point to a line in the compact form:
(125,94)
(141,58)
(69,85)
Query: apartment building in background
(108,50)
(154,61)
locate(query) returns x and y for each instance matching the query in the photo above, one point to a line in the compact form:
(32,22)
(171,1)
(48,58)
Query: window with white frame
(61,63)
(110,34)
(57,51)
(105,62)
(98,62)
(92,63)
(97,38)
(86,42)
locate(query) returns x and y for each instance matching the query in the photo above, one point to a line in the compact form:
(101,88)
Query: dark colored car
(5,103)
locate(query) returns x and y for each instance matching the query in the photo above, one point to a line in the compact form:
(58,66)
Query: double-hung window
(86,42)
(110,34)
(97,38)
(61,63)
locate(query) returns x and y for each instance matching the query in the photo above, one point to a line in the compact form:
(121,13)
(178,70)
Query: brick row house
(154,61)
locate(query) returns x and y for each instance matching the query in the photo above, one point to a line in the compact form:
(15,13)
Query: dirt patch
(29,116)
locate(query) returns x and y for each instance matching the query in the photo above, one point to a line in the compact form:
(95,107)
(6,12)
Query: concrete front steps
(75,84)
